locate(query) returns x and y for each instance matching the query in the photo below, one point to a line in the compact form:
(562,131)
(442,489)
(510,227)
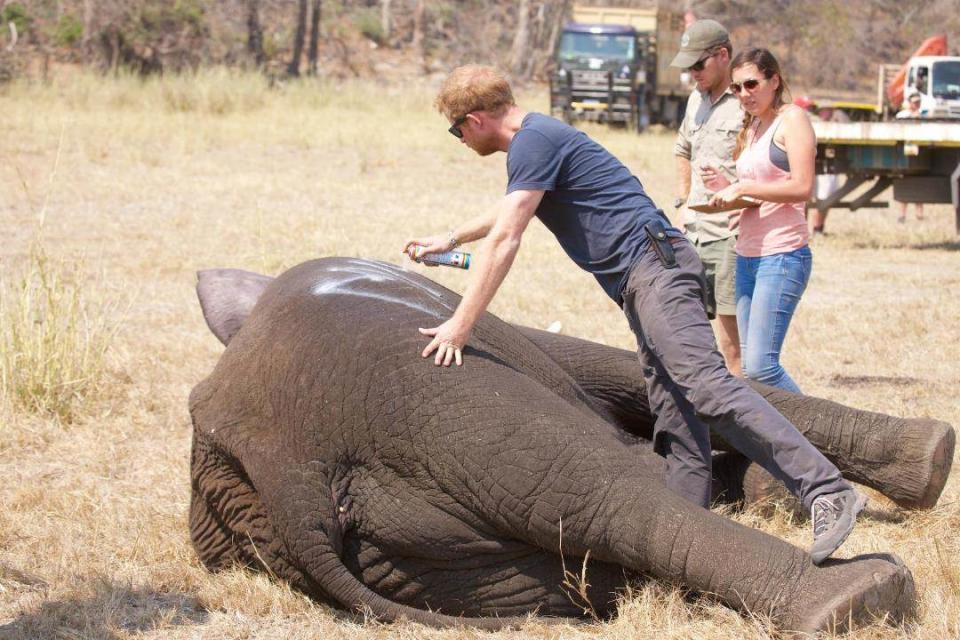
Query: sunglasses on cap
(699,64)
(454,129)
(749,85)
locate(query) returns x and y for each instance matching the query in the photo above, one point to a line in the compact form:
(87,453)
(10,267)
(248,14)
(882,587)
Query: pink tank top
(771,227)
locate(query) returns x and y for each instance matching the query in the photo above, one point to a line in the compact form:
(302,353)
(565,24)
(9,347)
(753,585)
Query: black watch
(679,202)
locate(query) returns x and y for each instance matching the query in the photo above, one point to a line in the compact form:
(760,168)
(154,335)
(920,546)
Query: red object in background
(934,46)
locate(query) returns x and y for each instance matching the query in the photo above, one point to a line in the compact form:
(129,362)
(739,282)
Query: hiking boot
(833,518)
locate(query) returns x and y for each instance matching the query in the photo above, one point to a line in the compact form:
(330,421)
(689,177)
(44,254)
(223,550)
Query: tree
(519,52)
(385,19)
(314,38)
(255,33)
(293,69)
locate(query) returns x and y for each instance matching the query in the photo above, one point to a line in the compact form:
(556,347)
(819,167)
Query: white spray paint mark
(383,282)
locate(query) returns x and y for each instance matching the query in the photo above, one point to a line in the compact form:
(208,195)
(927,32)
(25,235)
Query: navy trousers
(691,391)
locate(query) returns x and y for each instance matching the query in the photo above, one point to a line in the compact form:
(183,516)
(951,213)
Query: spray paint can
(458,259)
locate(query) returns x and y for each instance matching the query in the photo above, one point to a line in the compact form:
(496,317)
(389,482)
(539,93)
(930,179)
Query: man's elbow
(507,241)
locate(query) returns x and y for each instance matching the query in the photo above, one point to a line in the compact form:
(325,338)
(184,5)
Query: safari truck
(929,72)
(918,157)
(612,64)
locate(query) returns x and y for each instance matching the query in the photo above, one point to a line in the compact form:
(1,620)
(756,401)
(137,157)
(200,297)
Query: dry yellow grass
(158,180)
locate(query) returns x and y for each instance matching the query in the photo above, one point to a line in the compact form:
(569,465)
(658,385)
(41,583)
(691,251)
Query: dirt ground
(137,186)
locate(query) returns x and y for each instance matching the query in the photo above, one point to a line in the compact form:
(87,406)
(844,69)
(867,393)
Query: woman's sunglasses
(749,85)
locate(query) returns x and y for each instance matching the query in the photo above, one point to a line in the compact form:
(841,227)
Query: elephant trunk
(908,460)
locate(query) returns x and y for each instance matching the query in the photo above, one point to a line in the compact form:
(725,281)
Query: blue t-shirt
(592,203)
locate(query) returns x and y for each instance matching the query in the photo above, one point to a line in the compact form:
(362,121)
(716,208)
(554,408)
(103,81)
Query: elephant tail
(341,585)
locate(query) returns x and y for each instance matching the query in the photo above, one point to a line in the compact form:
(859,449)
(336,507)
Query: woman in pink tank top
(775,166)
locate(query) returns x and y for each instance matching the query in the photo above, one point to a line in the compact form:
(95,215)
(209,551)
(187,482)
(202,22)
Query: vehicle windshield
(946,79)
(596,45)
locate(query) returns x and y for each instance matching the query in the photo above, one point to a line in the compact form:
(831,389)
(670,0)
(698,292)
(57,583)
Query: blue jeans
(768,291)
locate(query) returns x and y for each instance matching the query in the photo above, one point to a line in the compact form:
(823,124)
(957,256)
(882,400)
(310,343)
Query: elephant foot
(845,594)
(938,455)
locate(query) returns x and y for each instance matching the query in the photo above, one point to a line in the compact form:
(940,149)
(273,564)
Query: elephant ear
(227,296)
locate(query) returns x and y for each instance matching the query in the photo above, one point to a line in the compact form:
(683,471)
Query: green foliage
(17,14)
(367,22)
(68,31)
(159,16)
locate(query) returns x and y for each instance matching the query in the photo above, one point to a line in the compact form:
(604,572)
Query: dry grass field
(114,193)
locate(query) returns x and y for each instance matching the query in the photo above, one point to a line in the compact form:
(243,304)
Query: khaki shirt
(707,136)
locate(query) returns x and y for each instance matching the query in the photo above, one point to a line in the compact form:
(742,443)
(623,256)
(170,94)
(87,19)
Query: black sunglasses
(749,85)
(455,127)
(699,64)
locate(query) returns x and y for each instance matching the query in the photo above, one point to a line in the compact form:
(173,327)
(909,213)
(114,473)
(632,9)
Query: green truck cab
(612,65)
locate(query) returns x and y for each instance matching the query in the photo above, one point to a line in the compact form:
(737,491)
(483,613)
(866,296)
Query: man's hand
(449,339)
(430,244)
(713,179)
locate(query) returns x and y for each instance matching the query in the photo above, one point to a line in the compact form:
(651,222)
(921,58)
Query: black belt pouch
(660,243)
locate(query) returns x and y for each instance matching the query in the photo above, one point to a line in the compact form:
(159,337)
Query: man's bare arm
(497,252)
(683,177)
(473,229)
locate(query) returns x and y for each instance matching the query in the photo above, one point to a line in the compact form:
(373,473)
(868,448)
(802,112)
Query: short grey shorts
(719,260)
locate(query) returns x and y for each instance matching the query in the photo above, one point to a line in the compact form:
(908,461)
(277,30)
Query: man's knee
(714,394)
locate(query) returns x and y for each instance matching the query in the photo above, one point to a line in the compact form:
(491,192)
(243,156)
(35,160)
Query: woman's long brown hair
(769,67)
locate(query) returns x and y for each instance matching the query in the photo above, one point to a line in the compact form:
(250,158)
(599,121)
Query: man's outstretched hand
(449,339)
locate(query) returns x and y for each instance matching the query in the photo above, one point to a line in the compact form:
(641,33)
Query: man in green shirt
(705,141)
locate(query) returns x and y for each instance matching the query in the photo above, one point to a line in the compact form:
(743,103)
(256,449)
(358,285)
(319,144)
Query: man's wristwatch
(679,202)
(452,238)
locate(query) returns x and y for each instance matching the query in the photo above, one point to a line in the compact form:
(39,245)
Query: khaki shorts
(719,260)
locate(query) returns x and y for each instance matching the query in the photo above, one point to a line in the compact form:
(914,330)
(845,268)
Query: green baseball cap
(697,40)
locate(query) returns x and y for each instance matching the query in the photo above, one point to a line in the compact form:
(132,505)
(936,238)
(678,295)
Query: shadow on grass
(946,245)
(107,612)
(871,381)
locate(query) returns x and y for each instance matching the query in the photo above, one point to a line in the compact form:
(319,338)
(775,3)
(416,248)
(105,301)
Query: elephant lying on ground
(327,451)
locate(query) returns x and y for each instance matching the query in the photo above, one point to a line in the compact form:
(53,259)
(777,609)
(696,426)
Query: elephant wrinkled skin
(326,449)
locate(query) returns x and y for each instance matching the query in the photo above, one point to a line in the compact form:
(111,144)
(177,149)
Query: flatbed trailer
(919,159)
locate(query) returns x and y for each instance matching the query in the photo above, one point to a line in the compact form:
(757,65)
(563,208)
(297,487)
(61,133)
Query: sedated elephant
(327,450)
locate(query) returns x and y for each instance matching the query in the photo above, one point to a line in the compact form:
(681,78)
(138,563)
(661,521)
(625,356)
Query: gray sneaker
(833,518)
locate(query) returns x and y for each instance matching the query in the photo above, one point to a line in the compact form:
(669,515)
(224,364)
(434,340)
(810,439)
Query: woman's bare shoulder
(795,118)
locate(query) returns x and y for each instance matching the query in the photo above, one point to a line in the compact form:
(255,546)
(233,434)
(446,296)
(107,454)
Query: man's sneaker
(833,518)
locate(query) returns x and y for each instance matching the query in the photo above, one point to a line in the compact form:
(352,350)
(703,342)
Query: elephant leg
(907,460)
(636,523)
(738,481)
(228,524)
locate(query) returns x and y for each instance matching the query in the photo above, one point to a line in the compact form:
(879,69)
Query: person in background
(608,225)
(705,140)
(775,154)
(826,183)
(911,111)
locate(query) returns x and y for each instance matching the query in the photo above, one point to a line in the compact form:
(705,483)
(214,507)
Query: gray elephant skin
(327,452)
